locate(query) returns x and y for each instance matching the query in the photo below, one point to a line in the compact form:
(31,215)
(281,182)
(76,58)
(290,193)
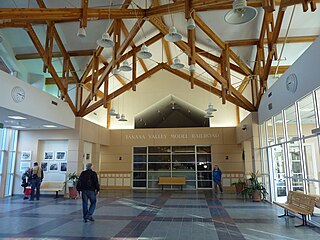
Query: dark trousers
(35,188)
(215,183)
(91,196)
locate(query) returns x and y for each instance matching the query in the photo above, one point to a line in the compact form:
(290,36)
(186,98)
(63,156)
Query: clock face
(18,94)
(292,83)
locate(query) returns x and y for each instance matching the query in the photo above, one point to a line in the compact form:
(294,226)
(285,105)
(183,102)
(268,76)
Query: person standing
(216,177)
(89,187)
(36,179)
(26,178)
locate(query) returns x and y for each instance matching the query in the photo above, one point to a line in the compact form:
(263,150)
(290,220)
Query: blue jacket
(216,175)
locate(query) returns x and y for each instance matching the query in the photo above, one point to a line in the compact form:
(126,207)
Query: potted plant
(239,185)
(254,189)
(71,182)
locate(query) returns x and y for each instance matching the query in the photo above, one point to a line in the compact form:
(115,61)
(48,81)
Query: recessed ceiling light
(17,117)
(19,127)
(49,126)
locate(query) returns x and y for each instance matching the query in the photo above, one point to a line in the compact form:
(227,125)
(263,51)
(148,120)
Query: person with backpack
(89,187)
(36,179)
(26,179)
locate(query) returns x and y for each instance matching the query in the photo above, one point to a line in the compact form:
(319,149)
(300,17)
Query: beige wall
(225,151)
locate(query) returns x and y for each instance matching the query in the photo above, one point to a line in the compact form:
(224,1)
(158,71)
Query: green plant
(254,186)
(239,185)
(72,178)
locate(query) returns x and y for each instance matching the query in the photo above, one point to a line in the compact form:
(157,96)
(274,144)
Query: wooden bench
(52,187)
(299,203)
(172,181)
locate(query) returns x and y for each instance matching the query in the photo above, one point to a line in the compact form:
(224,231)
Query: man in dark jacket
(88,185)
(216,177)
(36,179)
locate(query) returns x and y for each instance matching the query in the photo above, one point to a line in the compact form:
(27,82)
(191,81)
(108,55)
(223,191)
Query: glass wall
(8,145)
(192,162)
(291,150)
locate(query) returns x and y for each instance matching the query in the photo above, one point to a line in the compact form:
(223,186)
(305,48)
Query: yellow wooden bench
(52,187)
(172,181)
(299,203)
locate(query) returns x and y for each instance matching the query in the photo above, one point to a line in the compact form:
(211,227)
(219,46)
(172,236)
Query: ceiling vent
(4,67)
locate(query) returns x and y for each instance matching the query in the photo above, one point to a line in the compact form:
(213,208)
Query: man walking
(36,179)
(89,186)
(216,176)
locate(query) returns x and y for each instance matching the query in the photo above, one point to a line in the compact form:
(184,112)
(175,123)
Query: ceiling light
(123,118)
(49,126)
(208,115)
(82,32)
(192,68)
(191,24)
(17,117)
(112,112)
(210,109)
(144,53)
(177,64)
(173,35)
(240,13)
(125,66)
(18,127)
(118,116)
(115,72)
(105,41)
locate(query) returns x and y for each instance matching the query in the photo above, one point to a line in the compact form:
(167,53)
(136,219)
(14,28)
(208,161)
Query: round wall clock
(292,83)
(18,94)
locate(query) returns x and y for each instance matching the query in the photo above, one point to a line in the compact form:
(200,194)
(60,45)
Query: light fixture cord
(285,40)
(170,13)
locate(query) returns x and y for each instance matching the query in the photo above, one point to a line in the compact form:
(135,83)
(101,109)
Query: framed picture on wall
(53,167)
(61,155)
(24,166)
(48,155)
(25,155)
(44,166)
(63,167)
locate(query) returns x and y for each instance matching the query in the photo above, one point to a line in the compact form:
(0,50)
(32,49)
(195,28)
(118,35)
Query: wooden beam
(214,37)
(206,86)
(107,70)
(279,70)
(84,17)
(134,72)
(76,53)
(126,34)
(120,79)
(32,34)
(123,89)
(184,47)
(105,94)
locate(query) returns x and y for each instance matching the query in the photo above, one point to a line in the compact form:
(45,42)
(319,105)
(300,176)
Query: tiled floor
(150,215)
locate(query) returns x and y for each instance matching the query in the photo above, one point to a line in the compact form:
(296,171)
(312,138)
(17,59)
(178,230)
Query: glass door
(295,166)
(279,173)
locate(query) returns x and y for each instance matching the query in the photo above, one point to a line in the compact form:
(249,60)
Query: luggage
(27,192)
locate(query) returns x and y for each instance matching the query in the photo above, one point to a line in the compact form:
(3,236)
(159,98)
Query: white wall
(36,103)
(307,69)
(159,86)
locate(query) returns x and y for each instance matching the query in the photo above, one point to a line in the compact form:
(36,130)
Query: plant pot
(256,196)
(73,193)
(239,188)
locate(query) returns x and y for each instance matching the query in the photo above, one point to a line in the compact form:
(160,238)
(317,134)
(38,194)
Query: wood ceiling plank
(84,17)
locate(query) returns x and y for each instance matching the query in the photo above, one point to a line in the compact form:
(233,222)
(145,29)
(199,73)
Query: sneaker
(91,219)
(85,220)
(25,198)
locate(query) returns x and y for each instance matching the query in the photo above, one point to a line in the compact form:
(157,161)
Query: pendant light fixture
(192,68)
(210,108)
(241,13)
(191,24)
(122,118)
(208,115)
(112,112)
(115,71)
(144,53)
(118,116)
(177,64)
(125,66)
(173,35)
(105,41)
(82,32)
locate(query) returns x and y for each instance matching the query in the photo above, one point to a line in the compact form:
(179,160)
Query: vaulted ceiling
(227,58)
